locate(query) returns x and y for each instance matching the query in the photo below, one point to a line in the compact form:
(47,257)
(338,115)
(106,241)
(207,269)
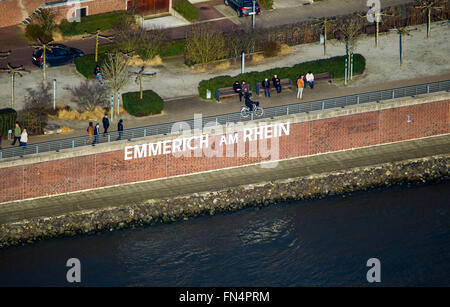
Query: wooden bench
(284,83)
(226,92)
(323,76)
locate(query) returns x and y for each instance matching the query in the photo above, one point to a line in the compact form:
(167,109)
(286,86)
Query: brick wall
(94,7)
(305,138)
(12,14)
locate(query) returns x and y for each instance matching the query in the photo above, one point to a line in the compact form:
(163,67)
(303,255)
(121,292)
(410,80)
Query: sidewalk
(179,109)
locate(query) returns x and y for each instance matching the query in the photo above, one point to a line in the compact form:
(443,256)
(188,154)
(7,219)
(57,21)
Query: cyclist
(249,103)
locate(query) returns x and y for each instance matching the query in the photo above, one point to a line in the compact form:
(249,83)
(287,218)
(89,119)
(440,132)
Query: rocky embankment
(231,199)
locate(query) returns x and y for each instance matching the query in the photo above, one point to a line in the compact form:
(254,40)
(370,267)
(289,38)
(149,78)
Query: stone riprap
(231,199)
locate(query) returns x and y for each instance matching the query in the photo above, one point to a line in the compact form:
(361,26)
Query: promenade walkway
(184,108)
(175,186)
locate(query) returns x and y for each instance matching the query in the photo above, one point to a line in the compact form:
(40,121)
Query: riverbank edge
(154,211)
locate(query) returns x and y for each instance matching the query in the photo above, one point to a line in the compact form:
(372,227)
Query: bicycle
(257,111)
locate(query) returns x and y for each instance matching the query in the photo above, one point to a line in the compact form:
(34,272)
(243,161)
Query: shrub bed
(86,64)
(186,9)
(150,104)
(8,118)
(335,65)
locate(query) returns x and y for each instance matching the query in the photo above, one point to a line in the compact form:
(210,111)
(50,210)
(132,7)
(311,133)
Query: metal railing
(223,119)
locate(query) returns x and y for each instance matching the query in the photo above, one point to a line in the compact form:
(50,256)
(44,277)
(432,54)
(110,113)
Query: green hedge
(151,103)
(186,9)
(335,65)
(173,47)
(91,23)
(8,119)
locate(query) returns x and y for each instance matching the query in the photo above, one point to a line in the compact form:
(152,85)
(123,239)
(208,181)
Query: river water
(306,243)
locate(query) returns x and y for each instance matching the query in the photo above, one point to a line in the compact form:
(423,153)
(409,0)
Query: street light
(253,13)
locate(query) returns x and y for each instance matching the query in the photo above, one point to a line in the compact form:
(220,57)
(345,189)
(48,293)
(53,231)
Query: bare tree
(115,72)
(46,18)
(241,40)
(4,54)
(44,45)
(204,44)
(89,95)
(376,17)
(429,6)
(97,34)
(350,30)
(13,71)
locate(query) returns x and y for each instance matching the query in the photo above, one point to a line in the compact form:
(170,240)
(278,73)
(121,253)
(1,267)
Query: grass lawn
(150,104)
(91,23)
(335,65)
(186,9)
(175,47)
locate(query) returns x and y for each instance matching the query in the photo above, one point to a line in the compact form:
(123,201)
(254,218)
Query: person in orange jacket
(300,86)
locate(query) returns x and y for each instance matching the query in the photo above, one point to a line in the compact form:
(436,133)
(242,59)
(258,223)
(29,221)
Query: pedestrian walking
(310,79)
(120,129)
(266,86)
(24,138)
(276,83)
(96,133)
(90,131)
(105,122)
(17,133)
(300,86)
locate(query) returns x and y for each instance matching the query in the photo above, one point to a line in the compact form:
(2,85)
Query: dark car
(244,7)
(58,55)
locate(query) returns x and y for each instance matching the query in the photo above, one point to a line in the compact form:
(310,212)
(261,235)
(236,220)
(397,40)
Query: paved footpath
(184,108)
(215,180)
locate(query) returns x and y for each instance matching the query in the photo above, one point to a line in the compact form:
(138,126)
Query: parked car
(59,54)
(244,7)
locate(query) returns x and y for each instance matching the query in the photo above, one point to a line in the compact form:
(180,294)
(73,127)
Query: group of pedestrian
(242,89)
(302,81)
(266,85)
(94,131)
(20,135)
(276,83)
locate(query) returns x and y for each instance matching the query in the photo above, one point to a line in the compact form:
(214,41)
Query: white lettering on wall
(199,142)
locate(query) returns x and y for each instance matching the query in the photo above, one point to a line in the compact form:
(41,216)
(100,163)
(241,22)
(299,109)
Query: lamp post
(253,14)
(325,23)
